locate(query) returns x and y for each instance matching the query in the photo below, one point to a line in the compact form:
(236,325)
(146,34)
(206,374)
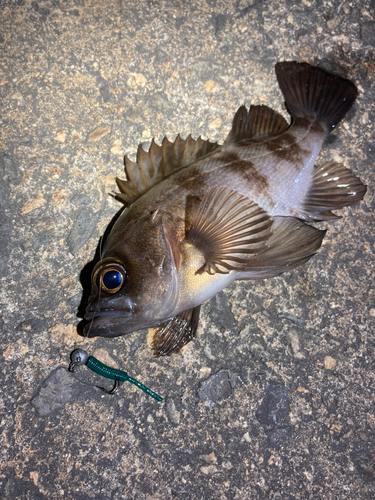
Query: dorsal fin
(157,163)
(257,123)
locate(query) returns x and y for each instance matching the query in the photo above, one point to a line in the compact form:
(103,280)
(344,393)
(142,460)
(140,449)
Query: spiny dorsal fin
(171,336)
(333,187)
(257,123)
(228,229)
(159,162)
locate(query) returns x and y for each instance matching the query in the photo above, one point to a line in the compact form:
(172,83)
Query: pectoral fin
(176,332)
(228,229)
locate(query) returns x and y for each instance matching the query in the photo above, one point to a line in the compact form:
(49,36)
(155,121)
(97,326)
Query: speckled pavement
(274,399)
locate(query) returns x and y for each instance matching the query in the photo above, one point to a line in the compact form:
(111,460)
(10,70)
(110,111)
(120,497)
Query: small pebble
(98,133)
(64,334)
(210,86)
(103,356)
(329,363)
(60,136)
(29,206)
(215,124)
(136,80)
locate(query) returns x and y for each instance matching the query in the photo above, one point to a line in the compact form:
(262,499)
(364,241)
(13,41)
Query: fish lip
(106,326)
(114,314)
(114,325)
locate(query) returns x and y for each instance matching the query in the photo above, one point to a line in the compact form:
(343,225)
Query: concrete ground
(274,399)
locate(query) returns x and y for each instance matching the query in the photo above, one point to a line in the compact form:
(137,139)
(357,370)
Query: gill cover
(135,285)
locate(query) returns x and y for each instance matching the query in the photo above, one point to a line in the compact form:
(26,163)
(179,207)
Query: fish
(198,215)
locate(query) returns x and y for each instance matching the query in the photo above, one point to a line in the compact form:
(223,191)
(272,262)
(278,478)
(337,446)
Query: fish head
(135,284)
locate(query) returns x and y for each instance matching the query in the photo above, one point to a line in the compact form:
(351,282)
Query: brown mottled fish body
(201,215)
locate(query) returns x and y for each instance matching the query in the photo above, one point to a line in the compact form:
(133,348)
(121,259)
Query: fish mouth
(108,319)
(107,324)
(115,314)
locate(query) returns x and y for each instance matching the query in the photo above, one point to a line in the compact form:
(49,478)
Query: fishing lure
(80,357)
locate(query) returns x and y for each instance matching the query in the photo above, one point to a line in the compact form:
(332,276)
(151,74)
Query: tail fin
(311,90)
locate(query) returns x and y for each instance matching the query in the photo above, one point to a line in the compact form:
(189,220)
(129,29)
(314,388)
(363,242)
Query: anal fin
(292,244)
(333,187)
(171,336)
(228,229)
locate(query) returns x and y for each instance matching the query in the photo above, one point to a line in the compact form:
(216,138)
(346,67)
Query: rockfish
(200,215)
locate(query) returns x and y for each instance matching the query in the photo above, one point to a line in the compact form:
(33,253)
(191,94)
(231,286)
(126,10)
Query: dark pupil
(112,279)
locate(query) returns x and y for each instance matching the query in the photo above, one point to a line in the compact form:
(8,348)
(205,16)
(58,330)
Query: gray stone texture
(274,399)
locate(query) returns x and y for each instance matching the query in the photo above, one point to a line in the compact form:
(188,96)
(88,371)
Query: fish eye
(111,280)
(109,276)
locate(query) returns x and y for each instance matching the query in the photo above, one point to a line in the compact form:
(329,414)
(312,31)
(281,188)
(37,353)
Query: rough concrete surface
(275,397)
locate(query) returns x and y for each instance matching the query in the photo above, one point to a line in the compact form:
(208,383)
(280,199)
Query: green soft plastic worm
(80,357)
